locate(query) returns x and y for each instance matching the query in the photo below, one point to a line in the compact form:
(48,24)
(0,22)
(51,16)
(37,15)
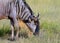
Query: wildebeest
(14,10)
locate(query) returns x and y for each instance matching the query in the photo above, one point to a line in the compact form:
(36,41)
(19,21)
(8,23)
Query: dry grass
(50,22)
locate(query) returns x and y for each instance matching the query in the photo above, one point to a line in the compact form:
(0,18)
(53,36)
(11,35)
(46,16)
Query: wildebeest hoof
(11,39)
(16,38)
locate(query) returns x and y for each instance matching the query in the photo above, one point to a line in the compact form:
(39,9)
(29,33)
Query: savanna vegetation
(49,23)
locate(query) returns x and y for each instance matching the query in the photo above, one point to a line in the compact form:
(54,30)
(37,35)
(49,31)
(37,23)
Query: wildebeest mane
(28,7)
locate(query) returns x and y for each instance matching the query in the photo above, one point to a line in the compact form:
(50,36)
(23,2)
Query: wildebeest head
(34,24)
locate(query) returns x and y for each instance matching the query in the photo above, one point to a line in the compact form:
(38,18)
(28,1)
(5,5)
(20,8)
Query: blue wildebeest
(14,9)
(26,14)
(8,11)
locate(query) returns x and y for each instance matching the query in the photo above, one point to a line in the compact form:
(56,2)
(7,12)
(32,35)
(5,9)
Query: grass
(4,27)
(49,22)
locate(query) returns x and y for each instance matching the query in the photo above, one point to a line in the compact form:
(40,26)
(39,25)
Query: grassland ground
(49,22)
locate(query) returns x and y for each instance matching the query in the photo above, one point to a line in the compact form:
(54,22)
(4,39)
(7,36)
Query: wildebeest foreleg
(13,16)
(16,26)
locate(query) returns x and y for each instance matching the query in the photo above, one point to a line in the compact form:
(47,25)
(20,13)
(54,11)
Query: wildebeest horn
(38,16)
